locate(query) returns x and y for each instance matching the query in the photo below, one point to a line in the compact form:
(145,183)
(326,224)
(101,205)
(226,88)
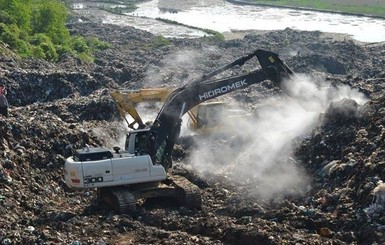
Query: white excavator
(140,170)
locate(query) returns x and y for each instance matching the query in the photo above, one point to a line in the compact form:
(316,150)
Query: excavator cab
(214,117)
(215,111)
(136,142)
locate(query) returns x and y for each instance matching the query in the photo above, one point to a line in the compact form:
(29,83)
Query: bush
(40,38)
(79,45)
(43,47)
(38,52)
(94,43)
(5,17)
(23,48)
(86,57)
(160,41)
(216,35)
(64,49)
(3,28)
(8,37)
(49,51)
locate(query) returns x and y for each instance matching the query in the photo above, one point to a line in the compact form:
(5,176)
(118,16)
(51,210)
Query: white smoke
(147,111)
(260,154)
(177,69)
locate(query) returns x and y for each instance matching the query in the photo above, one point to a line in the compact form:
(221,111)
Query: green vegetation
(215,34)
(159,41)
(121,10)
(37,28)
(117,6)
(129,6)
(123,2)
(321,5)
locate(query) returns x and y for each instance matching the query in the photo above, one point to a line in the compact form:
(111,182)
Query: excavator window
(160,151)
(127,142)
(136,142)
(202,118)
(210,115)
(140,143)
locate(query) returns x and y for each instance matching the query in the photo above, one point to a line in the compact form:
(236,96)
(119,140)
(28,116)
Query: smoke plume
(259,153)
(177,69)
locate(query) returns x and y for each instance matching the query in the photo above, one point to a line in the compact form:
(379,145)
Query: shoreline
(241,2)
(235,34)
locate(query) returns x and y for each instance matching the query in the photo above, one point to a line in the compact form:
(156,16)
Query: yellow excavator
(126,102)
(205,118)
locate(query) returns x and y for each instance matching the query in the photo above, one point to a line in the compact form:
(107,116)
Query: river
(222,16)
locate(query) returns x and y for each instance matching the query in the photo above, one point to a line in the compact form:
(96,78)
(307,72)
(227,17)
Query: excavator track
(193,198)
(189,194)
(120,198)
(123,199)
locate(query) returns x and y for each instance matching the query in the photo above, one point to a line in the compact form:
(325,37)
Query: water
(222,16)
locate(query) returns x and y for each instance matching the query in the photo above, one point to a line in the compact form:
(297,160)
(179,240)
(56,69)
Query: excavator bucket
(274,67)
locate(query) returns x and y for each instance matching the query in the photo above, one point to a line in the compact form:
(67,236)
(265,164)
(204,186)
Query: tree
(16,12)
(49,17)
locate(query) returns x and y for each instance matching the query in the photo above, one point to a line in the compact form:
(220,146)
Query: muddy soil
(63,106)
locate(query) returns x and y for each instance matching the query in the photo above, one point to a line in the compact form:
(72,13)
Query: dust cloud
(258,150)
(176,69)
(258,153)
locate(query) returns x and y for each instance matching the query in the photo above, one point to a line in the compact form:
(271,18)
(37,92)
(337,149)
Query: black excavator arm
(165,130)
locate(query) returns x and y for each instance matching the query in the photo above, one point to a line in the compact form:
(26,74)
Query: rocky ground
(56,107)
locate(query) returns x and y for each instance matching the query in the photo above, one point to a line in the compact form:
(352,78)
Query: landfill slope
(66,105)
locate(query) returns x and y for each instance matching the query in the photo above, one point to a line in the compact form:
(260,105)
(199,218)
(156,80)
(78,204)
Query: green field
(366,9)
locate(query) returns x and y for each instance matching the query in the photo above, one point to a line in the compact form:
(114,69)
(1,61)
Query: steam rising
(259,153)
(176,69)
(147,111)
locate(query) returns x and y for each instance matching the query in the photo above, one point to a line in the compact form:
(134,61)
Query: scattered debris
(64,106)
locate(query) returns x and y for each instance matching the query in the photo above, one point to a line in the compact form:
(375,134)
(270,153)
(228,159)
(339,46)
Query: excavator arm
(165,130)
(126,102)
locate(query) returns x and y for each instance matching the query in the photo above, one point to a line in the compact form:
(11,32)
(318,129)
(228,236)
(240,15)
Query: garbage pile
(59,107)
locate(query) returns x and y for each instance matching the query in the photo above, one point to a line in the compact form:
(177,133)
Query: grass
(123,2)
(320,5)
(215,34)
(120,10)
